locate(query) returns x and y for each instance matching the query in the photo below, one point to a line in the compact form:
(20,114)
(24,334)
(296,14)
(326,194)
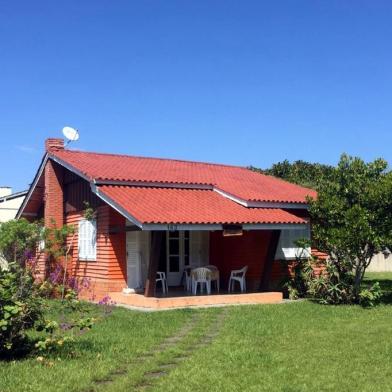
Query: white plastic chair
(187,279)
(238,276)
(201,276)
(161,277)
(215,276)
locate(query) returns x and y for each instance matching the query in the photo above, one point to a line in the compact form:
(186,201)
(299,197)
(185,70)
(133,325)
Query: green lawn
(298,346)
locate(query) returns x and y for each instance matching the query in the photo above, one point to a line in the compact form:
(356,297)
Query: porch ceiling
(147,205)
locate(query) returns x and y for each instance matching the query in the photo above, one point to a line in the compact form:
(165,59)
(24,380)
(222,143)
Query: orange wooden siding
(108,271)
(229,253)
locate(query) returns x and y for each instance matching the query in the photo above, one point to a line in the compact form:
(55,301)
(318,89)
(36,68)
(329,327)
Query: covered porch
(175,251)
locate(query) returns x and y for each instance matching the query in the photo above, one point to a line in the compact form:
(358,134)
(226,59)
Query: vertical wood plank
(266,274)
(156,243)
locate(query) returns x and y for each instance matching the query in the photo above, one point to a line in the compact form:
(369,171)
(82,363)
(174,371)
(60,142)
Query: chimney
(54,195)
(54,144)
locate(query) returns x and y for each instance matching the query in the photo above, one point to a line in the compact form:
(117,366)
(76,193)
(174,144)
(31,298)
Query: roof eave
(32,186)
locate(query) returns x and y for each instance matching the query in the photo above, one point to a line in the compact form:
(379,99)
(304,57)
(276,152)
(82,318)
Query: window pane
(186,260)
(174,234)
(174,263)
(186,234)
(186,246)
(174,247)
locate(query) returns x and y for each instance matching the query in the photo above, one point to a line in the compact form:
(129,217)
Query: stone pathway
(172,359)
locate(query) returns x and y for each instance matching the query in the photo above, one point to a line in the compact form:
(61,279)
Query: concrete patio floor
(181,299)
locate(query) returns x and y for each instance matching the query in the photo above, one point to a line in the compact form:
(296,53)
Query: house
(10,203)
(161,214)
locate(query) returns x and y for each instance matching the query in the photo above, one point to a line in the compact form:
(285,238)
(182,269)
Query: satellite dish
(71,134)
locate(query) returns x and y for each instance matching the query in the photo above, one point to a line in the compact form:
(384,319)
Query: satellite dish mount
(71,134)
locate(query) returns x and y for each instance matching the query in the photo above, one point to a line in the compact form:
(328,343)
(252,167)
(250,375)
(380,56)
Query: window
(177,250)
(41,241)
(287,250)
(174,251)
(87,239)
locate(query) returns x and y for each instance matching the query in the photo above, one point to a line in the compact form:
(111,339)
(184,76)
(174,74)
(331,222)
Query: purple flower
(54,276)
(73,283)
(85,283)
(65,326)
(105,300)
(28,255)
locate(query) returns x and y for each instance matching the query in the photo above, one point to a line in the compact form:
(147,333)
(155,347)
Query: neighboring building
(10,203)
(161,214)
(380,263)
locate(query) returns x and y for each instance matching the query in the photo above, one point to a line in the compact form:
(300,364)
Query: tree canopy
(351,217)
(300,172)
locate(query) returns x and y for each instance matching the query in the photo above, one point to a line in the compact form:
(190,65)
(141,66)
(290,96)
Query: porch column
(266,274)
(156,243)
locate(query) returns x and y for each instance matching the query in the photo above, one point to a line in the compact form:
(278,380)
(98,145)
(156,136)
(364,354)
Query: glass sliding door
(177,245)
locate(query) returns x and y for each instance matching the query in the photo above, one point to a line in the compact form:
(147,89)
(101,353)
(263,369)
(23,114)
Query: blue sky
(240,82)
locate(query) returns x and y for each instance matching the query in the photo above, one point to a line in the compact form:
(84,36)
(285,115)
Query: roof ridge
(283,180)
(154,158)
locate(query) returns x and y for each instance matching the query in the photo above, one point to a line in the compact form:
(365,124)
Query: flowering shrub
(22,297)
(20,308)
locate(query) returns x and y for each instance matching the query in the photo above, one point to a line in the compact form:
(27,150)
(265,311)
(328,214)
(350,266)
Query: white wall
(9,208)
(5,191)
(138,254)
(380,264)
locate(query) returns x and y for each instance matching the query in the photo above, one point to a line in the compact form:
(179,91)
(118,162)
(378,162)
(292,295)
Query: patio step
(140,301)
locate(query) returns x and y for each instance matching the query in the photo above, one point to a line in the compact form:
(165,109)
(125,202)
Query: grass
(298,346)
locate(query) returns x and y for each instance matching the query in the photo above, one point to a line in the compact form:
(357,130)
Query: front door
(177,246)
(133,260)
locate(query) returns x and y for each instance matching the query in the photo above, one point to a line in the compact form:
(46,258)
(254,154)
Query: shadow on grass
(386,287)
(26,349)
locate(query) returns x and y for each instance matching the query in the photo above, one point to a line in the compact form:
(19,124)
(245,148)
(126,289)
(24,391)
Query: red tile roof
(190,206)
(238,181)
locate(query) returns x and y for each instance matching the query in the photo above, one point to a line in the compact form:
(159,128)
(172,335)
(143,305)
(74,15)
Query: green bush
(371,296)
(18,239)
(334,286)
(20,308)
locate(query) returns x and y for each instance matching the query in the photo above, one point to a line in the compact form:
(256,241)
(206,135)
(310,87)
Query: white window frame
(287,250)
(87,240)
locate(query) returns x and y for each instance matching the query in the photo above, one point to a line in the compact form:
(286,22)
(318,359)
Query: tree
(303,173)
(17,238)
(20,308)
(352,217)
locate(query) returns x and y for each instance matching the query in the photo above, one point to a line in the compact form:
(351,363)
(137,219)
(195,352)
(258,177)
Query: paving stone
(169,365)
(146,357)
(155,374)
(103,381)
(118,372)
(172,340)
(181,358)
(143,385)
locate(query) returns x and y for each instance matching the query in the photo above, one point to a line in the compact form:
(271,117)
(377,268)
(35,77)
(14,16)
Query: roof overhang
(33,185)
(209,227)
(170,210)
(13,196)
